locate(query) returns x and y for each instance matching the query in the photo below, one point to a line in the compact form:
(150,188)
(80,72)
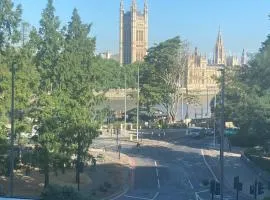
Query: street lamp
(11,175)
(125,101)
(215,104)
(138,101)
(222,134)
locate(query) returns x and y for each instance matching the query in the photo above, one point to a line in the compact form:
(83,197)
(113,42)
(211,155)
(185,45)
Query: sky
(244,23)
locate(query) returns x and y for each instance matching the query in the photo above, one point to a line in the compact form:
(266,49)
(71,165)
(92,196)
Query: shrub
(244,140)
(56,192)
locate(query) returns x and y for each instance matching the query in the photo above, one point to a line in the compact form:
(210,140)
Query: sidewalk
(235,166)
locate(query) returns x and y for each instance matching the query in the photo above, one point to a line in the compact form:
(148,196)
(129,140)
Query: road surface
(171,166)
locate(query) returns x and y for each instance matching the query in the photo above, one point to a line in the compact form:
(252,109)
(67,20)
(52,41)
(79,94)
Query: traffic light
(217,189)
(260,188)
(236,182)
(240,186)
(251,189)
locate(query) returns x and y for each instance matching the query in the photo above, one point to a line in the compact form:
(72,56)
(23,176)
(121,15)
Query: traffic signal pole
(222,135)
(255,189)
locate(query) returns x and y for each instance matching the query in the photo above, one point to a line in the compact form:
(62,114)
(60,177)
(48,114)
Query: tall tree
(10,18)
(49,46)
(48,42)
(76,83)
(163,74)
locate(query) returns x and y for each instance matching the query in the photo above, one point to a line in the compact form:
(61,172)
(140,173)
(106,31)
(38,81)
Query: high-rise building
(133,33)
(219,52)
(106,55)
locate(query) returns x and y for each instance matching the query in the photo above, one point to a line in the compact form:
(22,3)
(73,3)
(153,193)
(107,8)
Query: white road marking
(202,191)
(156,195)
(208,166)
(142,198)
(118,196)
(190,184)
(134,197)
(197,196)
(158,183)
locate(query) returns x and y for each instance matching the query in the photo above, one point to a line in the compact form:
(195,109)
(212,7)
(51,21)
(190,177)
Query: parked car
(196,132)
(209,131)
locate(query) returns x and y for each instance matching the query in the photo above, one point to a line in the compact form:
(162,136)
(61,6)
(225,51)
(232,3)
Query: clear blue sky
(244,23)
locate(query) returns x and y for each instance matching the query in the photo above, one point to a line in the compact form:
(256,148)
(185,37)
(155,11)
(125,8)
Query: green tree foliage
(247,95)
(163,73)
(49,44)
(10,18)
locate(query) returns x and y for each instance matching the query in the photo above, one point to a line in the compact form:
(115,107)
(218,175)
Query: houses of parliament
(201,72)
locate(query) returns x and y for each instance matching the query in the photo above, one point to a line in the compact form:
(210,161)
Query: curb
(125,189)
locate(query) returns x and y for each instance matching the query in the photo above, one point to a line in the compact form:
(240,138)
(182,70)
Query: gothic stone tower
(219,52)
(133,34)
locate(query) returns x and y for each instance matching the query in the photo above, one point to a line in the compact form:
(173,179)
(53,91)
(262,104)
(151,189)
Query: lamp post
(125,117)
(215,103)
(11,175)
(222,134)
(207,101)
(138,101)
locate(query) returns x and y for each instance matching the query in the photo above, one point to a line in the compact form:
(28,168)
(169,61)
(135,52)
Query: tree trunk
(46,176)
(46,168)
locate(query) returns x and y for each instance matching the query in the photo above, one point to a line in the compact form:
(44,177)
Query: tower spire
(243,57)
(219,56)
(134,4)
(121,5)
(145,5)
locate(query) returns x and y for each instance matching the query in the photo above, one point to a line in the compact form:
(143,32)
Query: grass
(32,186)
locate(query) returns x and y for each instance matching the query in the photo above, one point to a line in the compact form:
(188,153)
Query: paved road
(172,167)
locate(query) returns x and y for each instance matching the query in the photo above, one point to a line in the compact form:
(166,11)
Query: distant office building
(115,57)
(133,33)
(106,55)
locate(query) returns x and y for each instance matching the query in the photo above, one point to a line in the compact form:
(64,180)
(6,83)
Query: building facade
(232,61)
(106,55)
(243,58)
(219,51)
(201,77)
(133,33)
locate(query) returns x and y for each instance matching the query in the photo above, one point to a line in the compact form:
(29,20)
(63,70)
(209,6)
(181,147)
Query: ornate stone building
(232,61)
(243,58)
(133,33)
(219,52)
(201,77)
